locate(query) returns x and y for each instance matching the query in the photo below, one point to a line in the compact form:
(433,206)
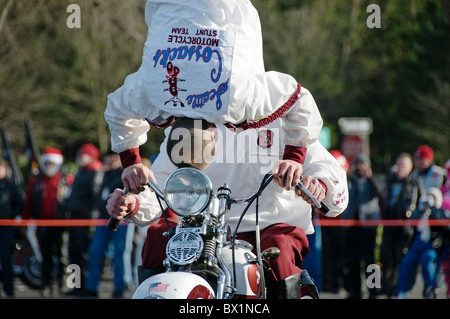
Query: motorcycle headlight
(187,191)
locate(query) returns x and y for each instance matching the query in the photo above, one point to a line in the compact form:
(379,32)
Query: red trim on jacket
(323,185)
(295,153)
(269,119)
(130,157)
(165,124)
(135,210)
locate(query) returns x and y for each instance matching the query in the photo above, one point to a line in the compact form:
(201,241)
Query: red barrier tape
(53,222)
(379,222)
(317,222)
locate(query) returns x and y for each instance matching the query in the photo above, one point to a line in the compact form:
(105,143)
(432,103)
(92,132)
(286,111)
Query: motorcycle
(204,258)
(28,258)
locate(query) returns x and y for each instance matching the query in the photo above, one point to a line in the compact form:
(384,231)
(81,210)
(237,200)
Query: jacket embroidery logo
(193,64)
(265,138)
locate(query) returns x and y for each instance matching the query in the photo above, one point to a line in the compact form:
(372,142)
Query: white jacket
(241,161)
(204,59)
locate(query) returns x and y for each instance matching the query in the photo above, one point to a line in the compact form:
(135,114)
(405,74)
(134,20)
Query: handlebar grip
(113,224)
(324,207)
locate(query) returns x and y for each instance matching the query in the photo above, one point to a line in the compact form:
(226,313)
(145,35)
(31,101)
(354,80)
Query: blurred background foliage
(398,74)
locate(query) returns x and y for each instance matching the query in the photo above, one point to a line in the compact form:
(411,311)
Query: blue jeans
(97,251)
(419,253)
(313,261)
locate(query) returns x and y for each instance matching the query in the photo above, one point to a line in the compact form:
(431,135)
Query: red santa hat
(90,149)
(53,155)
(424,152)
(342,160)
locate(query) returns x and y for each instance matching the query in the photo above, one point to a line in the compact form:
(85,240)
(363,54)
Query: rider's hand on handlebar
(314,187)
(287,173)
(134,177)
(118,205)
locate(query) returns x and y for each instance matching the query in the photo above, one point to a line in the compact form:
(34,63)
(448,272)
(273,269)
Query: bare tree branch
(4,15)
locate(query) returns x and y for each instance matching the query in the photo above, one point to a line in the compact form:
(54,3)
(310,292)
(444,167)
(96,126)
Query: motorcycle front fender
(174,285)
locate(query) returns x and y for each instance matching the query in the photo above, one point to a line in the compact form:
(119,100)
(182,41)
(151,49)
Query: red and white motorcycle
(204,260)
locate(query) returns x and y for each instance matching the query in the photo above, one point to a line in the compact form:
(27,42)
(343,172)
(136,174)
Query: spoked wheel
(32,271)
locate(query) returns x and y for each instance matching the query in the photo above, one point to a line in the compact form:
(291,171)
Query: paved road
(416,293)
(106,288)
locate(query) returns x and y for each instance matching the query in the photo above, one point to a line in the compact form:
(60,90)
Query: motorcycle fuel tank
(174,285)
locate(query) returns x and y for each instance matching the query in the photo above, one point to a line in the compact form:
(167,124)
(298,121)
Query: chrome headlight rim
(208,190)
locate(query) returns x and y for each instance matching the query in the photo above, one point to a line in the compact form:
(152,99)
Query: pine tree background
(398,74)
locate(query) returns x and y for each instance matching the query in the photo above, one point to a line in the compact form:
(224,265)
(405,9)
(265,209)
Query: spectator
(136,236)
(103,237)
(11,204)
(332,244)
(395,240)
(46,195)
(359,241)
(425,175)
(426,246)
(445,189)
(314,260)
(80,205)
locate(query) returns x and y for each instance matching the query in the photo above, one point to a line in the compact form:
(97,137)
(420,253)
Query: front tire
(32,271)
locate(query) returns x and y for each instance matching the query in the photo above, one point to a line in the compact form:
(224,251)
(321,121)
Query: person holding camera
(426,199)
(359,241)
(426,246)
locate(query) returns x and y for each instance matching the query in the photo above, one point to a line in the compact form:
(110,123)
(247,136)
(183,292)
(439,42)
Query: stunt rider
(227,86)
(217,46)
(284,215)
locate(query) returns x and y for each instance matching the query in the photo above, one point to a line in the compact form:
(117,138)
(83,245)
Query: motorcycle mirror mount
(271,253)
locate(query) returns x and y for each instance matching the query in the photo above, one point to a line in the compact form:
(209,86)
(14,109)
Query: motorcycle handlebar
(322,206)
(113,223)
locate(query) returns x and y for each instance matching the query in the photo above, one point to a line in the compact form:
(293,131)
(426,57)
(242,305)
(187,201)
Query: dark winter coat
(11,199)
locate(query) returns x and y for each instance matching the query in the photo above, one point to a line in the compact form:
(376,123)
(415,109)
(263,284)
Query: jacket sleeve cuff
(130,157)
(295,153)
(162,125)
(135,210)
(323,185)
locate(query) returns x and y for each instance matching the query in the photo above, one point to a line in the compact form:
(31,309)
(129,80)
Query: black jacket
(111,180)
(11,199)
(80,203)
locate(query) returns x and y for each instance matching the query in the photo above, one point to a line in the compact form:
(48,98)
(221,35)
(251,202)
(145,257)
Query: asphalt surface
(106,289)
